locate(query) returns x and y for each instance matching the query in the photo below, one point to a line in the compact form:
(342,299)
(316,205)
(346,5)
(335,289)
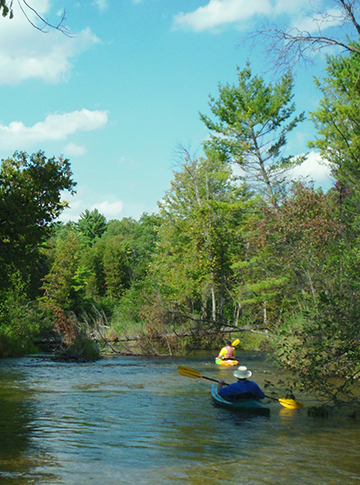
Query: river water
(135,420)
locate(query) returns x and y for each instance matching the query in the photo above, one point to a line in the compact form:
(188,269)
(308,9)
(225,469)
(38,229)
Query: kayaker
(242,388)
(227,352)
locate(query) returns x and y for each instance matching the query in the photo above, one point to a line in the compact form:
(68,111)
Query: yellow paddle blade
(187,372)
(291,404)
(236,342)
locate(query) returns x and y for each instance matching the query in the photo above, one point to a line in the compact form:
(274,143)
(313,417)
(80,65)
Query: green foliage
(197,237)
(337,118)
(91,260)
(6,9)
(321,342)
(220,251)
(87,272)
(91,226)
(320,243)
(140,236)
(290,248)
(127,312)
(117,266)
(82,349)
(64,283)
(323,345)
(253,120)
(250,341)
(21,323)
(30,201)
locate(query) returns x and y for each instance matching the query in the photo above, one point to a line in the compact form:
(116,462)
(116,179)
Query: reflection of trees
(16,417)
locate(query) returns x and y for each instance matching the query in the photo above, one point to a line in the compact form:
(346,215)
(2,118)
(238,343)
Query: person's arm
(221,384)
(255,389)
(222,353)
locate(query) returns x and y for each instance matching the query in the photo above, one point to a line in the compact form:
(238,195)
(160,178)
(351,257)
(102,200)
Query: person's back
(227,352)
(241,386)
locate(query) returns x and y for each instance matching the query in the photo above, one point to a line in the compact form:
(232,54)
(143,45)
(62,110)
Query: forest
(236,245)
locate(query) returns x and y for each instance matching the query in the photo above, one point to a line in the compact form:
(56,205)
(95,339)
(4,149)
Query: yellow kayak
(226,362)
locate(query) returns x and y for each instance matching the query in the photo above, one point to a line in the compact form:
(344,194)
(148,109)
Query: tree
(140,236)
(290,251)
(64,285)
(338,124)
(91,259)
(337,119)
(91,225)
(252,122)
(117,266)
(196,239)
(324,340)
(30,202)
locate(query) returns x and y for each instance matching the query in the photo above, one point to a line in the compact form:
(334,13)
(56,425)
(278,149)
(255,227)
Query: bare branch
(47,24)
(289,45)
(349,9)
(7,10)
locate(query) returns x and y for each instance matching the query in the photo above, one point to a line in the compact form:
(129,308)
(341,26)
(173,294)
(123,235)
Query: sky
(123,92)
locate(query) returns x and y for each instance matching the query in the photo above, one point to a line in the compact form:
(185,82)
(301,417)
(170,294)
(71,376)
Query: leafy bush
(21,324)
(81,349)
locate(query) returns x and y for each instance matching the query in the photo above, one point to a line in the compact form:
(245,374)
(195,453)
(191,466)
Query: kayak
(250,406)
(226,362)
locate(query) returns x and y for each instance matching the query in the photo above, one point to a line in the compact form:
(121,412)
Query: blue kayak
(250,406)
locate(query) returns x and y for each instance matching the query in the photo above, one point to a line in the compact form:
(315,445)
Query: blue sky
(119,96)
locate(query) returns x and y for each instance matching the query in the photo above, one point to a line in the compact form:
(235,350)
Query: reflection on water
(127,420)
(18,456)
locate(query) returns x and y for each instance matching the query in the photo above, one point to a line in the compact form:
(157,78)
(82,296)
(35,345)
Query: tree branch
(291,45)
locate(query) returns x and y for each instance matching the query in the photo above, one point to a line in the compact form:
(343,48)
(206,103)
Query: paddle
(187,372)
(287,403)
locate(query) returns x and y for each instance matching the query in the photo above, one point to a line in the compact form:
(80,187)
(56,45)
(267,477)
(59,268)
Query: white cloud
(286,7)
(219,12)
(222,12)
(111,210)
(55,127)
(28,54)
(314,168)
(77,205)
(315,24)
(73,150)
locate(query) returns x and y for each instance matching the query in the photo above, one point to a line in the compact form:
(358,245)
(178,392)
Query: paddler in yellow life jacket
(227,352)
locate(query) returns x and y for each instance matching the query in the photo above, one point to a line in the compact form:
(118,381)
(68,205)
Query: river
(135,420)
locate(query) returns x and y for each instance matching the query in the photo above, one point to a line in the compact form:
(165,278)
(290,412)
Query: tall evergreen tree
(91,225)
(252,121)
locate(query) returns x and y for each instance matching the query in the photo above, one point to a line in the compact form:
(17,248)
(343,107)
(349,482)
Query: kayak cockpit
(242,405)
